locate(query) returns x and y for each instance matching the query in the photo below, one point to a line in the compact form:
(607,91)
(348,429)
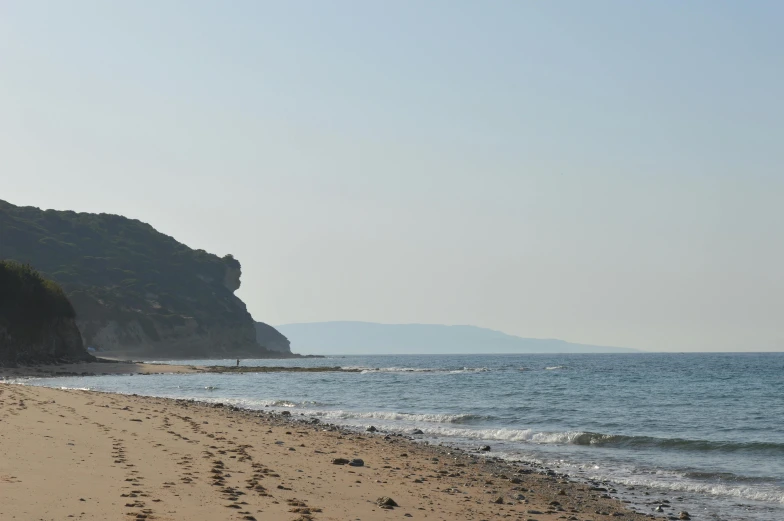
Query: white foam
(714,489)
(335,415)
(368,370)
(514,435)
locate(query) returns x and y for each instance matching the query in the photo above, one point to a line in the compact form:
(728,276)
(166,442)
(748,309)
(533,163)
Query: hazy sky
(607,172)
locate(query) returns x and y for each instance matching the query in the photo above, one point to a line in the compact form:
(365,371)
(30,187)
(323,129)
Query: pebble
(386,502)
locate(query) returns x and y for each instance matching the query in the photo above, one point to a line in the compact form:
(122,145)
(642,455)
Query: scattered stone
(356,462)
(386,502)
(340,461)
(371,429)
(485,448)
(684,515)
(417,431)
(499,500)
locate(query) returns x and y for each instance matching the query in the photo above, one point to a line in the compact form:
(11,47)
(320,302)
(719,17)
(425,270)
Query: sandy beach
(69,454)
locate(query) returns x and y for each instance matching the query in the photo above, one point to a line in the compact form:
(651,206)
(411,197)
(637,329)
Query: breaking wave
(612,440)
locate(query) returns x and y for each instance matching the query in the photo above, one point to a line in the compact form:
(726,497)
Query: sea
(702,431)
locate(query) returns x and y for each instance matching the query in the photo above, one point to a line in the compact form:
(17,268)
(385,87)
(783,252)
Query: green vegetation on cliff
(36,318)
(134,289)
(28,299)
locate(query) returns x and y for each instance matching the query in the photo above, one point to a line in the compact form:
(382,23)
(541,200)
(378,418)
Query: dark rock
(417,431)
(356,463)
(485,448)
(684,515)
(340,461)
(386,502)
(371,429)
(499,500)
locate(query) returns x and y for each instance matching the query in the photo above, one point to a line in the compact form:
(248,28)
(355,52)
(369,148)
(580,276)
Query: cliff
(36,320)
(136,292)
(272,339)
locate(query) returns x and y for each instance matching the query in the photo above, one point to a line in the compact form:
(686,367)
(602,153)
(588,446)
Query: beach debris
(485,448)
(340,461)
(371,429)
(386,502)
(357,462)
(417,431)
(684,515)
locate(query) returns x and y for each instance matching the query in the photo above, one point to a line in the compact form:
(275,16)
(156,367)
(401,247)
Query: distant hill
(136,292)
(36,319)
(349,338)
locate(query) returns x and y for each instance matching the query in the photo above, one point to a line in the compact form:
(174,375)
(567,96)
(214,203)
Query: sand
(70,454)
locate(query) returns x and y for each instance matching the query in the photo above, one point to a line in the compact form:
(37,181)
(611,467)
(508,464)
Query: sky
(604,172)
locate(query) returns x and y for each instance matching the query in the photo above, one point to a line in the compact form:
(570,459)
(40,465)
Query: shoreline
(429,488)
(126,367)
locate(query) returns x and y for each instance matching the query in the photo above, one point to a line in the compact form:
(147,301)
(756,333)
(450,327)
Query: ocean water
(704,431)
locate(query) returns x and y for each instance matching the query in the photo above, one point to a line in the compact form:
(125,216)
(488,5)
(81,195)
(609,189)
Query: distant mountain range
(366,338)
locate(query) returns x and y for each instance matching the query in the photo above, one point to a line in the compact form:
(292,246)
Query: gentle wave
(395,416)
(713,489)
(637,442)
(607,440)
(248,403)
(367,370)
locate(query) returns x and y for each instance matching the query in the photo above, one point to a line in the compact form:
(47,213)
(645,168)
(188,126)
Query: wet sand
(69,454)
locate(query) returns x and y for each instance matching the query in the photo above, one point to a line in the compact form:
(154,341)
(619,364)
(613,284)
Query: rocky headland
(137,293)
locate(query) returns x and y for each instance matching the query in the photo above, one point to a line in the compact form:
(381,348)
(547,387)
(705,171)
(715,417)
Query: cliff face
(272,339)
(36,320)
(136,292)
(56,341)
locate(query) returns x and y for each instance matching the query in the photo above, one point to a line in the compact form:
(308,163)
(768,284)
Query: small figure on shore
(238,362)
